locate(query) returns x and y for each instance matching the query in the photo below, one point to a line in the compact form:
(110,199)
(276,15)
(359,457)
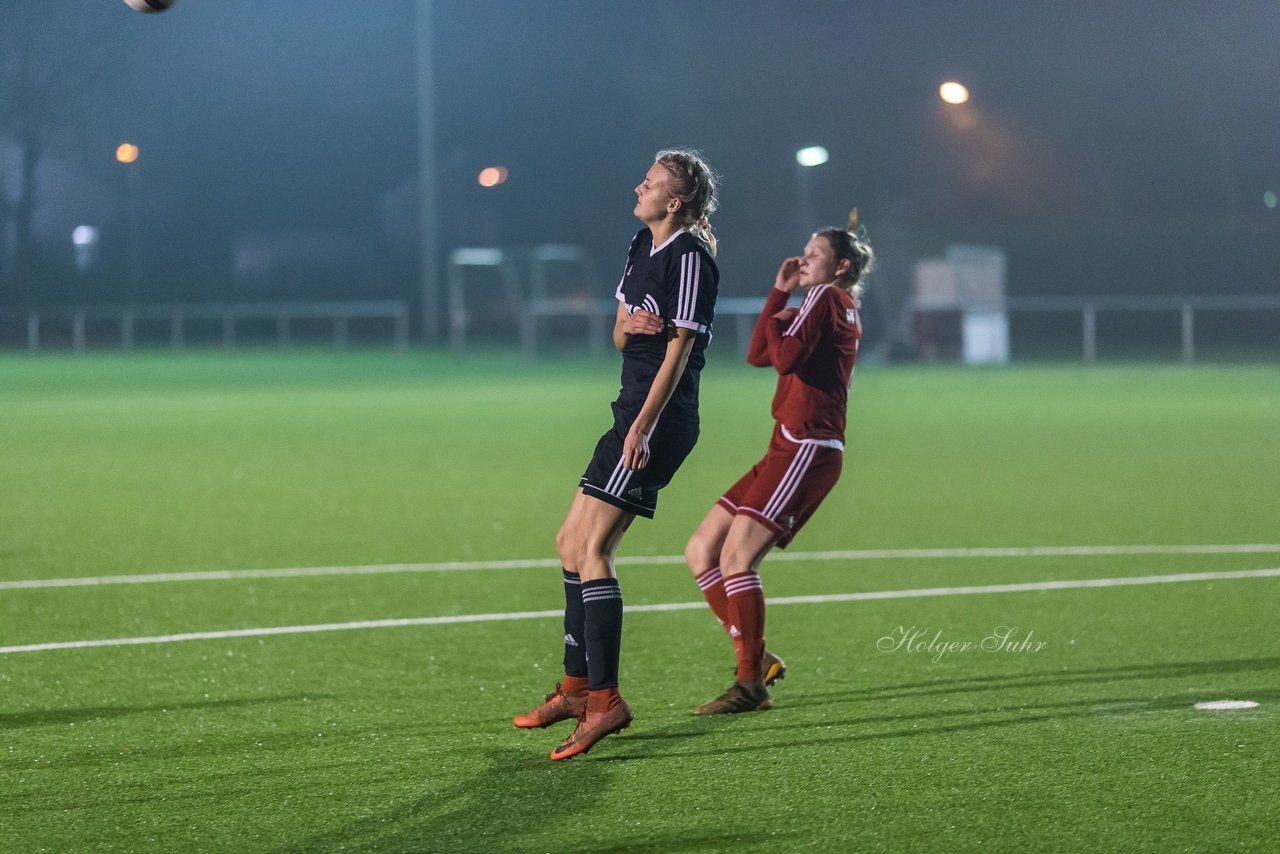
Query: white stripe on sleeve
(805,308)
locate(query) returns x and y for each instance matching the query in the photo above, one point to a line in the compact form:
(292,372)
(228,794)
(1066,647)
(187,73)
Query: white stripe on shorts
(618,480)
(790,481)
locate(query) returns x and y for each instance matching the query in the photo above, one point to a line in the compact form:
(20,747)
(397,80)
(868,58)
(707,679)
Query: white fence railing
(1184,309)
(177,316)
(598,315)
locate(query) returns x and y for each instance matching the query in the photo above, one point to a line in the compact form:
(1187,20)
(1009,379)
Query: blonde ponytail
(702,229)
(695,185)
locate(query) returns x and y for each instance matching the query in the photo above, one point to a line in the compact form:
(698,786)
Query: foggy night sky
(1111,147)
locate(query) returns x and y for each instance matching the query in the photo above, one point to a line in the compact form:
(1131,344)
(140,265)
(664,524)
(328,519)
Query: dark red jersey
(814,354)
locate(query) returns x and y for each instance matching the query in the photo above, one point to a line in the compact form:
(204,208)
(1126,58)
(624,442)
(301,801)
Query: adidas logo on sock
(569,641)
(734,633)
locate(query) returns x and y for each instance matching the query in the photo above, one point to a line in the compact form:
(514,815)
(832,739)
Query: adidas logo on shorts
(569,641)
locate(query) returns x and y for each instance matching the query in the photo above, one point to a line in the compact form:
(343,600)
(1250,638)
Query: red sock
(574,685)
(712,586)
(745,596)
(713,589)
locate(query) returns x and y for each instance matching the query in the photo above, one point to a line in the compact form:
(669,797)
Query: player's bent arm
(620,337)
(665,381)
(758,350)
(788,352)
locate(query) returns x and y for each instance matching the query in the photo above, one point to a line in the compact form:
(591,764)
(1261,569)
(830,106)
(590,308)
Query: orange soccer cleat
(595,725)
(558,706)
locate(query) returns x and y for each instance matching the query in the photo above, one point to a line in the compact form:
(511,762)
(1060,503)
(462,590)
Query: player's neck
(663,229)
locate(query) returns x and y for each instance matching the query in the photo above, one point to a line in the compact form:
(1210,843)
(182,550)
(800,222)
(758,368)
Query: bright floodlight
(127,152)
(492,176)
(953,92)
(814,155)
(84,235)
(1269,199)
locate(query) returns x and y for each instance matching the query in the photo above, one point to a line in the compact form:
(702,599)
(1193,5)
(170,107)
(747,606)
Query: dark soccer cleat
(772,668)
(592,727)
(741,697)
(558,706)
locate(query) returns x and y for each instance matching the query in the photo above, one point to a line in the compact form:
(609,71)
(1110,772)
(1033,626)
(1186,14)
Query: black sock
(602,603)
(575,639)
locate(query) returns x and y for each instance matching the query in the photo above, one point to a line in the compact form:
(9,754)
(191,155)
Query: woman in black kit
(666,303)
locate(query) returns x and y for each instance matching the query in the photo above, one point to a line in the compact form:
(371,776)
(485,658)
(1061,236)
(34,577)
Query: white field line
(668,606)
(545,563)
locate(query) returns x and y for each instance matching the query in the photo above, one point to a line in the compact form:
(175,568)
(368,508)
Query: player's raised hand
(641,322)
(788,278)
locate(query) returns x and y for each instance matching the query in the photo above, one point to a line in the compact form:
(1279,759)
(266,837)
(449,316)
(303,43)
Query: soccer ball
(149,5)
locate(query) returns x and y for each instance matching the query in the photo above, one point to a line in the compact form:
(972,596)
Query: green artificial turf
(399,738)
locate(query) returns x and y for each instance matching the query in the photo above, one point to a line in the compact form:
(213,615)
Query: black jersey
(676,281)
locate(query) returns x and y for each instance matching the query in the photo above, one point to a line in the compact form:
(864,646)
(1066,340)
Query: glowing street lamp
(814,155)
(127,153)
(492,176)
(807,158)
(953,92)
(85,240)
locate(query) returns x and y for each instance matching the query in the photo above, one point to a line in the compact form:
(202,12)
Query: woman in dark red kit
(813,349)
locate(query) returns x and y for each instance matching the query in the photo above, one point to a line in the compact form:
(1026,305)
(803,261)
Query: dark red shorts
(783,489)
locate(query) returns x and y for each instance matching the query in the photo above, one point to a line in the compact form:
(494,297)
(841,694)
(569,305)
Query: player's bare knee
(596,558)
(735,560)
(700,554)
(568,548)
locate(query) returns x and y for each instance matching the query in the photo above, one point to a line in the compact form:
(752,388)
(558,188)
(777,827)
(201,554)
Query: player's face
(818,264)
(652,199)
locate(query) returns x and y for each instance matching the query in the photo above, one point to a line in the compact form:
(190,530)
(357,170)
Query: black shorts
(637,491)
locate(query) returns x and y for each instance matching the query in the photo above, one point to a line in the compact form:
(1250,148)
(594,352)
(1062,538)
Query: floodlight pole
(428,177)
